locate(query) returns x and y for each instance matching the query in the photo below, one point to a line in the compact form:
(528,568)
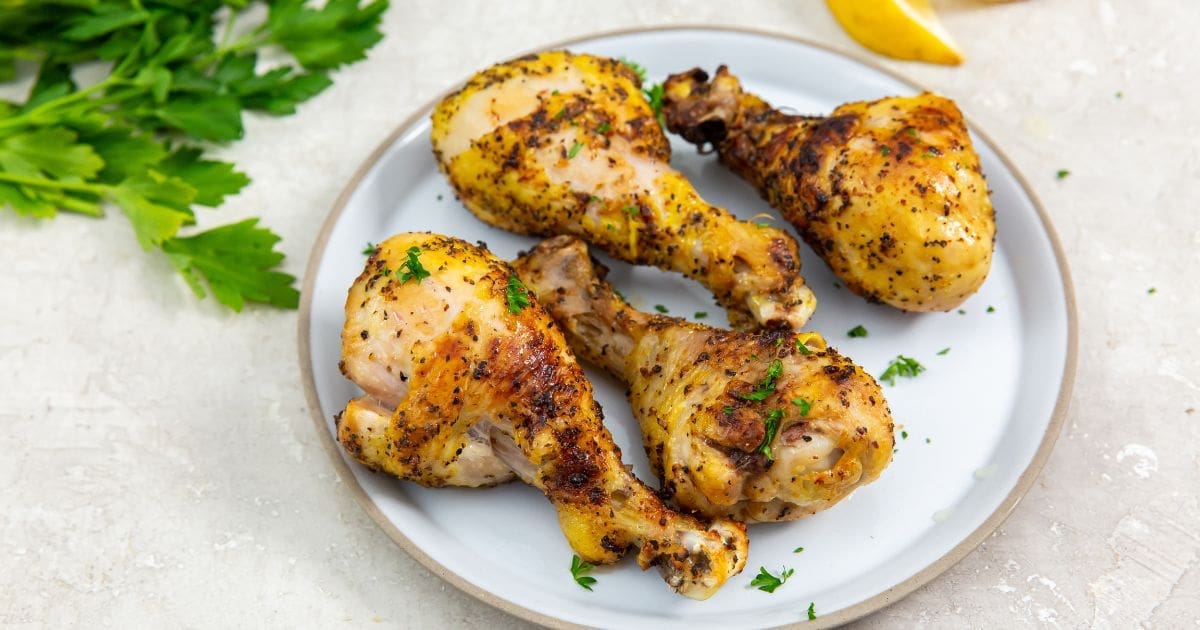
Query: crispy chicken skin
(693,387)
(889,192)
(558,143)
(459,390)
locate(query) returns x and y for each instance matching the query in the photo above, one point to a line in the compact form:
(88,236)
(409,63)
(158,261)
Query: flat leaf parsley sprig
(123,141)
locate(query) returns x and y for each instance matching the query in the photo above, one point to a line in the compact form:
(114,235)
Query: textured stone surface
(160,468)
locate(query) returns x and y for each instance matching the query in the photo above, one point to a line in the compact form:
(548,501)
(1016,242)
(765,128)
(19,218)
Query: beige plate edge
(843,616)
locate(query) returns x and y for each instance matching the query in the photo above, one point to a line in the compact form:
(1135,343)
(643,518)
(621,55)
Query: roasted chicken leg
(468,382)
(760,427)
(557,143)
(889,192)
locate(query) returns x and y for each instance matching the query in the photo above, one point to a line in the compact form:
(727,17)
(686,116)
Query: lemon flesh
(901,29)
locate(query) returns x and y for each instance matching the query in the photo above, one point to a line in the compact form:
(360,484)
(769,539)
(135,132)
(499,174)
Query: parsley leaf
(1062,174)
(804,406)
(637,68)
(943,352)
(772,427)
(798,550)
(338,33)
(661,309)
(812,611)
(236,260)
(212,180)
(802,347)
(580,570)
(766,387)
(370,249)
(411,268)
(857,331)
(700,314)
(574,150)
(516,294)
(654,95)
(767,582)
(907,367)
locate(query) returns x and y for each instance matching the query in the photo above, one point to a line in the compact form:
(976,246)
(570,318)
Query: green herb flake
(661,309)
(654,95)
(901,366)
(885,151)
(700,315)
(637,68)
(943,352)
(911,131)
(516,294)
(812,611)
(766,387)
(772,427)
(574,150)
(727,409)
(904,435)
(620,295)
(1151,290)
(580,570)
(991,309)
(798,550)
(603,128)
(766,582)
(1062,174)
(857,331)
(370,249)
(804,406)
(630,210)
(802,348)
(412,269)
(929,154)
(928,441)
(762,224)
(961,312)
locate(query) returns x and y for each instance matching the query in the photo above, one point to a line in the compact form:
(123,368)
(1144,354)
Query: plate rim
(870,605)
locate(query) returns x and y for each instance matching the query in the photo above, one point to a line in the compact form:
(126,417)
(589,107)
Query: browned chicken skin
(707,398)
(558,143)
(888,192)
(460,390)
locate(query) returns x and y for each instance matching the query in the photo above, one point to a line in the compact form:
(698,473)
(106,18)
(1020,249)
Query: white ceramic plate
(979,422)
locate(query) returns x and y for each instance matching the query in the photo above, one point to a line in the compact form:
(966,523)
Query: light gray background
(158,465)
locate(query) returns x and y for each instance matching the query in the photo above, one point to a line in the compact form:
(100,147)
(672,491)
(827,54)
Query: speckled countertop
(159,468)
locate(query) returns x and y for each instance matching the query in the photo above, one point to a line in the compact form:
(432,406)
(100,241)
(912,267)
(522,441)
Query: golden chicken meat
(467,382)
(558,143)
(771,426)
(889,192)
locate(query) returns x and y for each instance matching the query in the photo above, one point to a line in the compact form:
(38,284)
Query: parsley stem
(34,116)
(27,180)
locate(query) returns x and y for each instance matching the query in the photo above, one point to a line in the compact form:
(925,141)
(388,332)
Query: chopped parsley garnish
(857,331)
(700,315)
(907,367)
(517,294)
(593,199)
(1062,173)
(762,224)
(620,295)
(961,312)
(804,406)
(412,268)
(603,128)
(561,113)
(610,227)
(727,409)
(766,582)
(654,95)
(637,68)
(631,210)
(766,387)
(929,154)
(778,341)
(802,347)
(798,550)
(580,570)
(912,131)
(574,150)
(885,151)
(1152,290)
(943,352)
(661,309)
(928,441)
(1119,94)
(371,248)
(772,422)
(991,309)
(904,435)
(812,611)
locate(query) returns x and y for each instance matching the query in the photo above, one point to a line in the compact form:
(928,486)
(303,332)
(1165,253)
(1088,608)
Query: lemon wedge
(901,29)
